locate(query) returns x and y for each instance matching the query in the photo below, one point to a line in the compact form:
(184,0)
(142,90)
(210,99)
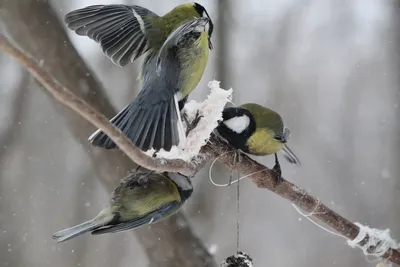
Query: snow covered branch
(66,97)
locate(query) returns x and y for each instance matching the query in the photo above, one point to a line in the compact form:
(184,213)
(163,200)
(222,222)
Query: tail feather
(159,133)
(154,126)
(168,133)
(145,120)
(74,231)
(146,137)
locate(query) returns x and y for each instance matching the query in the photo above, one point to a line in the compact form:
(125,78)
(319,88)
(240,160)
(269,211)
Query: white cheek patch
(238,124)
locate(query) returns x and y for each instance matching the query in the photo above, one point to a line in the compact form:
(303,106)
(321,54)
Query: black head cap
(203,13)
(240,131)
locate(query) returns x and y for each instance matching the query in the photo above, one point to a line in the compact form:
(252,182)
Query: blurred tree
(224,9)
(8,138)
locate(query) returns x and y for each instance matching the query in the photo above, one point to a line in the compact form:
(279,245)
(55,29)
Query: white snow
(211,110)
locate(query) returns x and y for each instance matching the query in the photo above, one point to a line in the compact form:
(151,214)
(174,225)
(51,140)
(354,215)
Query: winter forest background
(329,67)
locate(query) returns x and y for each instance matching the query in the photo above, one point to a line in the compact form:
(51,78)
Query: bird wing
(121,30)
(161,213)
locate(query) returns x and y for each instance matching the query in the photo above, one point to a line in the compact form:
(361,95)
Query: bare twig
(263,177)
(67,98)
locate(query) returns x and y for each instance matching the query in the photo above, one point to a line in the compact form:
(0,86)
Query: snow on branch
(211,110)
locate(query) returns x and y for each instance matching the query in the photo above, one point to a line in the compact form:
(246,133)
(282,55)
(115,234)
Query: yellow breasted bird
(176,46)
(125,32)
(256,130)
(141,198)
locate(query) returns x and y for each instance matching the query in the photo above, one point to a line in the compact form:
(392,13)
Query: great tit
(125,32)
(256,130)
(171,70)
(141,198)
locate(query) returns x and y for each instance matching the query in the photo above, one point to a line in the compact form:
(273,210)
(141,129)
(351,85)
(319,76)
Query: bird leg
(191,125)
(277,170)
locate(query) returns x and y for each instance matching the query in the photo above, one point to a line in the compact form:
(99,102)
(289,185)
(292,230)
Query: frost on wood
(211,110)
(379,241)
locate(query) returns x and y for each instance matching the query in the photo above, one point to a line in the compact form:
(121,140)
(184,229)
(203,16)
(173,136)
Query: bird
(178,45)
(141,198)
(126,32)
(256,130)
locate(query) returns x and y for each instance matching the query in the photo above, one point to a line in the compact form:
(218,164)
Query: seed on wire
(240,259)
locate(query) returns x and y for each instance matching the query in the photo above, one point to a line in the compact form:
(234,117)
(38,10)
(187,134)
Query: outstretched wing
(150,218)
(121,30)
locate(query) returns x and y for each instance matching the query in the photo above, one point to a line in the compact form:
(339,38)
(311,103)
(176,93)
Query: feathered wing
(120,29)
(161,213)
(153,118)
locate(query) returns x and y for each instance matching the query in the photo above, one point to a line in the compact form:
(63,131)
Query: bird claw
(191,125)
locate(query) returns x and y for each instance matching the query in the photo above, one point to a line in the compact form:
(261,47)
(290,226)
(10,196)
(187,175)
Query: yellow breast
(194,65)
(262,143)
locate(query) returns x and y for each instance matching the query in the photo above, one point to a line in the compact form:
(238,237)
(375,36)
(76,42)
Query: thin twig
(70,100)
(263,177)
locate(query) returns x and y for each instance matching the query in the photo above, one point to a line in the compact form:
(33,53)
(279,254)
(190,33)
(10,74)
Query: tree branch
(66,97)
(263,177)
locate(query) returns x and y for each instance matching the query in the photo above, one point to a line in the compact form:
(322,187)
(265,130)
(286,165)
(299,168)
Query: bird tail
(105,217)
(156,126)
(74,231)
(289,155)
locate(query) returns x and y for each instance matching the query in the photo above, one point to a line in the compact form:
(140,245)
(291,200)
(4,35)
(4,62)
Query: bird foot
(191,125)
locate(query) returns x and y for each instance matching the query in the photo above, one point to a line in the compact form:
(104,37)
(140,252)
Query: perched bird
(177,46)
(141,198)
(256,130)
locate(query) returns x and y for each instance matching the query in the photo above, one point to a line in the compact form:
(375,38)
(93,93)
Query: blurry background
(329,67)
